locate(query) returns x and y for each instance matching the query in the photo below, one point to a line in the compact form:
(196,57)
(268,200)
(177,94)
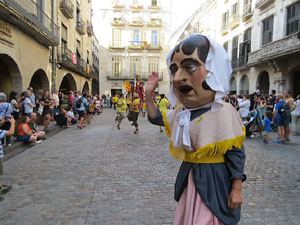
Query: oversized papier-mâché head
(199,69)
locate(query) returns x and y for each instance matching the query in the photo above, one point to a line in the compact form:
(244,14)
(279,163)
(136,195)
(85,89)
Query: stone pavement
(101,175)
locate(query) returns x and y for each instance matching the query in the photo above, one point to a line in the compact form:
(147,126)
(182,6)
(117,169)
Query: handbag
(129,116)
(40,110)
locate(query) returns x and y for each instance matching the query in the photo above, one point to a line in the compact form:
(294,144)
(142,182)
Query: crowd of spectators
(268,112)
(30,110)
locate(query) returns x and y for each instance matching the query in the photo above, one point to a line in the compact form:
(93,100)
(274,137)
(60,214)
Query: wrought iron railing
(67,8)
(80,26)
(33,12)
(89,28)
(113,75)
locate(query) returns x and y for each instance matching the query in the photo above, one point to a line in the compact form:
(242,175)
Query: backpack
(285,110)
(78,103)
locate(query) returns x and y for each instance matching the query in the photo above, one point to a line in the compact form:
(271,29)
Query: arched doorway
(68,84)
(232,85)
(263,82)
(39,81)
(244,85)
(86,88)
(11,78)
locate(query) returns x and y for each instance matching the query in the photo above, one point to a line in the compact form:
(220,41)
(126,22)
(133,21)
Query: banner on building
(74,58)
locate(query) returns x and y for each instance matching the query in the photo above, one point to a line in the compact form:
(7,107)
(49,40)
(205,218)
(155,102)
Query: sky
(180,11)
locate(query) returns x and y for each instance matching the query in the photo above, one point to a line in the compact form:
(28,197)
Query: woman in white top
(15,104)
(244,107)
(296,116)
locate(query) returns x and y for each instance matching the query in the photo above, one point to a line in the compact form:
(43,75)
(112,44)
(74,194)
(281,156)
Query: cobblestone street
(101,175)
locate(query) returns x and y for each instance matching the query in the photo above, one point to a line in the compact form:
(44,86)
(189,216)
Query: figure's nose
(181,75)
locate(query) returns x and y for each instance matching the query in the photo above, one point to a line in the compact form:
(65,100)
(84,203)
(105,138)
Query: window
(64,37)
(78,48)
(153,64)
(136,39)
(135,66)
(116,38)
(267,35)
(136,18)
(116,66)
(234,48)
(154,38)
(247,40)
(225,46)
(235,8)
(293,19)
(154,3)
(234,53)
(225,18)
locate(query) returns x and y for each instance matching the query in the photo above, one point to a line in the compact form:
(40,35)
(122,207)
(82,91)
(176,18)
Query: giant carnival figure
(139,89)
(206,133)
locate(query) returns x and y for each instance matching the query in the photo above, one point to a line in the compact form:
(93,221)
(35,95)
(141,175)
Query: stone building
(262,39)
(95,58)
(135,43)
(46,45)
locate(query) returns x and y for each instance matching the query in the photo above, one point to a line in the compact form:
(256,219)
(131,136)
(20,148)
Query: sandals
(136,132)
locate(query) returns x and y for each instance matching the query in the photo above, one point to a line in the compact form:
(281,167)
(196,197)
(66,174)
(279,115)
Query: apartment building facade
(135,44)
(262,40)
(46,45)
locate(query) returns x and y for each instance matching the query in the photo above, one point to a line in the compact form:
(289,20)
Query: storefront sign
(5,29)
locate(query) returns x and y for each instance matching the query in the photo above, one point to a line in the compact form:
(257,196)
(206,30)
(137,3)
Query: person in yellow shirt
(121,110)
(115,101)
(128,100)
(163,105)
(144,108)
(135,110)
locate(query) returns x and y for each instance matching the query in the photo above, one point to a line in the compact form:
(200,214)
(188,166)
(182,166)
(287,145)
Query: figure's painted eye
(173,71)
(192,68)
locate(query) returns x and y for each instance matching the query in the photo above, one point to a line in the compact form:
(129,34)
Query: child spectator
(4,188)
(267,126)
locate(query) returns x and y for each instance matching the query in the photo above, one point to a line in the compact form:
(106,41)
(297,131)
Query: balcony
(131,76)
(154,46)
(224,28)
(89,28)
(70,61)
(262,4)
(136,6)
(234,21)
(117,4)
(239,63)
(117,45)
(154,23)
(145,75)
(117,23)
(67,8)
(80,26)
(275,49)
(32,20)
(247,12)
(136,23)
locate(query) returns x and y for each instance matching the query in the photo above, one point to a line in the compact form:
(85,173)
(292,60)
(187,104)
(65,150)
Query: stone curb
(19,147)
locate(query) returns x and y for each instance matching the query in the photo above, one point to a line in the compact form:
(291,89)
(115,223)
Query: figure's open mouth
(185,89)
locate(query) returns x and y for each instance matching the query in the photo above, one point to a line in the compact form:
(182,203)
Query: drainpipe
(53,52)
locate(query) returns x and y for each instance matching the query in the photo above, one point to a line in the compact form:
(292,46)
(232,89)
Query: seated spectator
(35,129)
(71,115)
(63,119)
(24,132)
